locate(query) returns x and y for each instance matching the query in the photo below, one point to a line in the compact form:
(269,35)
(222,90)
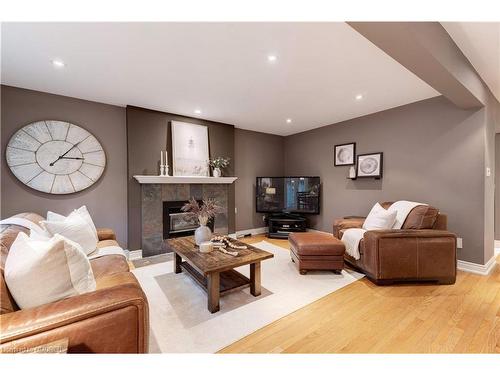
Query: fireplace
(160,203)
(177,223)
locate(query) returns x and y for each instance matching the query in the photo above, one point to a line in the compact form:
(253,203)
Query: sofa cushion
(108,265)
(421,217)
(106,243)
(40,272)
(312,243)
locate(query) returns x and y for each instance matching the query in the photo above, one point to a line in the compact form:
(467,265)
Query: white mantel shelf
(184,180)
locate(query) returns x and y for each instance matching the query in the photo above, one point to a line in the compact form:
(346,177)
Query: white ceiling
(480,43)
(220,68)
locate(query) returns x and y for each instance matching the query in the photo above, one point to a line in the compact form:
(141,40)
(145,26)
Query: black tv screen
(288,194)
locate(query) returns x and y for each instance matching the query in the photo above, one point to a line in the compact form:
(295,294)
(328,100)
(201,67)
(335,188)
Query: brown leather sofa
(422,250)
(112,319)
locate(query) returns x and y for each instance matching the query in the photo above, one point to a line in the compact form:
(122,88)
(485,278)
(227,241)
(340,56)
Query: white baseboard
(134,254)
(253,231)
(479,269)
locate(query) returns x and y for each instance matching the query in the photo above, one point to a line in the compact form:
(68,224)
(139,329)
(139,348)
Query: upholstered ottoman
(316,251)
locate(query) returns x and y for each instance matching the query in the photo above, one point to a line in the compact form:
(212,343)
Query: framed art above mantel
(190,149)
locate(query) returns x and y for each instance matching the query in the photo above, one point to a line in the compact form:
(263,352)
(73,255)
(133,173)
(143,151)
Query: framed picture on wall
(344,154)
(370,165)
(190,149)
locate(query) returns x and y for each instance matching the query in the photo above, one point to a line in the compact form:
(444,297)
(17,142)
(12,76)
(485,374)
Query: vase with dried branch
(204,212)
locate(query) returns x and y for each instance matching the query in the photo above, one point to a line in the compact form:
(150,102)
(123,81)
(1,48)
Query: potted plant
(208,209)
(217,164)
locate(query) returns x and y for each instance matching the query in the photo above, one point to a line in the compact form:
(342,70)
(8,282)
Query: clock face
(55,157)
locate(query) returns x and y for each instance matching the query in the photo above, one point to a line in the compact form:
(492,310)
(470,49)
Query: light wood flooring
(365,318)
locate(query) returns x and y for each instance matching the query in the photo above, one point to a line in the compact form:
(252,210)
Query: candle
(166,157)
(161,157)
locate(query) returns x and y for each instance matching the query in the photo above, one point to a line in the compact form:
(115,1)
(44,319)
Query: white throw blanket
(107,250)
(353,236)
(351,239)
(402,208)
(28,224)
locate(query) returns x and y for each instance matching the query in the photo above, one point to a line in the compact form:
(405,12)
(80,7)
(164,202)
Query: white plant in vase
(218,164)
(208,209)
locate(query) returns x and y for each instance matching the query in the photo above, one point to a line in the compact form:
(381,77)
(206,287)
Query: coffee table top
(215,261)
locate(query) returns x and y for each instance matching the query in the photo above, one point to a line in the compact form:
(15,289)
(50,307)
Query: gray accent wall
(106,199)
(433,153)
(256,154)
(148,132)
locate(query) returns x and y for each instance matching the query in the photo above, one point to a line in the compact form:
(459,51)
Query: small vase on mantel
(203,232)
(217,172)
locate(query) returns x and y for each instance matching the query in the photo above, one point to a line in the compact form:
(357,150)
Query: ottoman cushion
(313,243)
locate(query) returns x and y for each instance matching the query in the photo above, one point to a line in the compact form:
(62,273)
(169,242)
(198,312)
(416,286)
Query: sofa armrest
(93,322)
(410,254)
(106,234)
(346,223)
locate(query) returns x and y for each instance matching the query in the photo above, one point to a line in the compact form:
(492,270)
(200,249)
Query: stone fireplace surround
(152,198)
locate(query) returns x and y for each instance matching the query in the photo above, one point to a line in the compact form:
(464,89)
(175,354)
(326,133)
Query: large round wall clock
(55,157)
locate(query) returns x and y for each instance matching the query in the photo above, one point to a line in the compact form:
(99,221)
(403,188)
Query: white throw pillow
(52,216)
(379,218)
(82,211)
(40,272)
(75,228)
(44,236)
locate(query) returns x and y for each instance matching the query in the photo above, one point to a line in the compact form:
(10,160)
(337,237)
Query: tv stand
(280,225)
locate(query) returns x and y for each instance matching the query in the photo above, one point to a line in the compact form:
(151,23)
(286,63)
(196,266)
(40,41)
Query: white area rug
(181,323)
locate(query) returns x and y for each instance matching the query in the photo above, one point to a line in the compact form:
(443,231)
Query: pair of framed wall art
(368,165)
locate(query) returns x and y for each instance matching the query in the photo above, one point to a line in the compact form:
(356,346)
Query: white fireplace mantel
(184,180)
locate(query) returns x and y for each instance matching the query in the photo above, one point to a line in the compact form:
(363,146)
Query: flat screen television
(294,194)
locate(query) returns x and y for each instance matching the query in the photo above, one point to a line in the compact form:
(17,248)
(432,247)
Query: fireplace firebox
(177,223)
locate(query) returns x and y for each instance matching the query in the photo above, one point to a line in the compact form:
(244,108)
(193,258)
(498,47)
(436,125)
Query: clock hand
(67,157)
(60,157)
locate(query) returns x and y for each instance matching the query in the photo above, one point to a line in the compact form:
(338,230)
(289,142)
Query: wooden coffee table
(214,271)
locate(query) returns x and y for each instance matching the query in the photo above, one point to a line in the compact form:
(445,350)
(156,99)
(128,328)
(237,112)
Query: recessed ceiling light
(359,97)
(272,58)
(58,63)
(288,120)
(197,111)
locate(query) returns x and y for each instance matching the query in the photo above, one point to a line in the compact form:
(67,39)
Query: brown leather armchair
(423,250)
(112,319)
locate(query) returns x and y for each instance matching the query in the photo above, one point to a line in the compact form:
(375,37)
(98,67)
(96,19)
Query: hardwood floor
(365,318)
